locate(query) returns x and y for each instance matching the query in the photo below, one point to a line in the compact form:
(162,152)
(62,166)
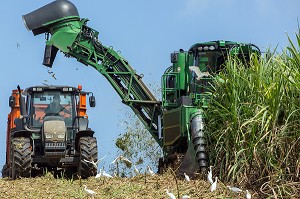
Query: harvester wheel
(87,151)
(21,157)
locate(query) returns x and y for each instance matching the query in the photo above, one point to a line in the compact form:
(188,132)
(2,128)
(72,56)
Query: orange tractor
(47,128)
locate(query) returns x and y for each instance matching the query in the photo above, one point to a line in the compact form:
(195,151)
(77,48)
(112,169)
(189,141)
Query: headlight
(55,135)
(61,135)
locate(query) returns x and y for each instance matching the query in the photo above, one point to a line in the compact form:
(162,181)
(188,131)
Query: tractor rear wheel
(21,157)
(87,151)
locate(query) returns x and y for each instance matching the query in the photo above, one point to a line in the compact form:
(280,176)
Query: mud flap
(189,164)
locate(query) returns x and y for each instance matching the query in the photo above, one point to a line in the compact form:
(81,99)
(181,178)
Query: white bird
(198,72)
(186,177)
(136,171)
(121,158)
(248,195)
(234,189)
(103,173)
(149,171)
(214,185)
(89,192)
(209,176)
(185,197)
(99,174)
(95,164)
(171,196)
(124,122)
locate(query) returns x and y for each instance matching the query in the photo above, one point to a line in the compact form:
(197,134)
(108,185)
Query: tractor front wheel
(21,157)
(88,151)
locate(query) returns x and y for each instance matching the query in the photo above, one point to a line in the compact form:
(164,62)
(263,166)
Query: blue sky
(145,32)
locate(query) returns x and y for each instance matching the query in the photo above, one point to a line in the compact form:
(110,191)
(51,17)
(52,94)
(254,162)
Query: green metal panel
(180,67)
(64,35)
(177,123)
(172,126)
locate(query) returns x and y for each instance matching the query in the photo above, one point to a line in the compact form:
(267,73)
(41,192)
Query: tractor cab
(43,105)
(51,126)
(55,115)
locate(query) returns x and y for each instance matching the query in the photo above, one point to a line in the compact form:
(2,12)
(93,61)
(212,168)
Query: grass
(254,122)
(119,188)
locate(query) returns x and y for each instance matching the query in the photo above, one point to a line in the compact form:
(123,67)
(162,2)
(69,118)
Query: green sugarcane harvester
(177,122)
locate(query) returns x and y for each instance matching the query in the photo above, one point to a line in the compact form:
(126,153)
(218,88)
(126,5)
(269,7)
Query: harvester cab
(48,128)
(192,71)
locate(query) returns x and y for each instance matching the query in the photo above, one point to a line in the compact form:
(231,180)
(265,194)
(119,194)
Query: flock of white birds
(149,172)
(214,185)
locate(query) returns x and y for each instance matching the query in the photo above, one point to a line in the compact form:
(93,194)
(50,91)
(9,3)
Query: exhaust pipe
(23,111)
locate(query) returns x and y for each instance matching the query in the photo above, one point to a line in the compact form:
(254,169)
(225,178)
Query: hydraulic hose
(198,139)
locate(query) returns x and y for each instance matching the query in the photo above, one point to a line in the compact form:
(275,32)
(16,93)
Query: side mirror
(92,101)
(174,58)
(12,101)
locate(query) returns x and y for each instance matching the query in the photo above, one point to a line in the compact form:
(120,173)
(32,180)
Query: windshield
(211,62)
(52,103)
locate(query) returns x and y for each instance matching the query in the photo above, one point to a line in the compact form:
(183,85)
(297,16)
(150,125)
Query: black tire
(21,160)
(5,171)
(88,150)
